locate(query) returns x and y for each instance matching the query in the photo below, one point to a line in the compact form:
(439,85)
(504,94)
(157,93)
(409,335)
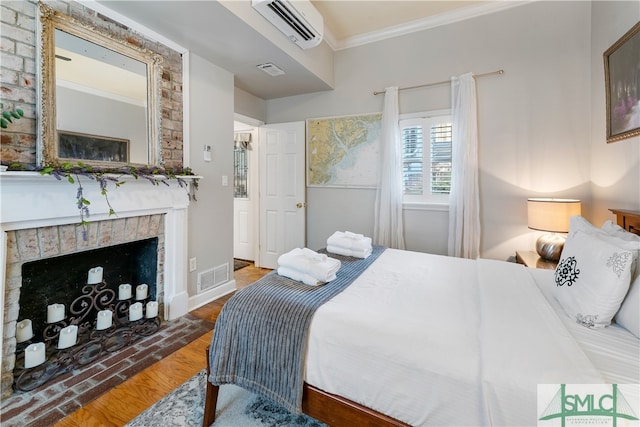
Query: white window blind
(426,158)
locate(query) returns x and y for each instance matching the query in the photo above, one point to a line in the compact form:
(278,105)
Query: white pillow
(614,230)
(592,279)
(629,314)
(612,234)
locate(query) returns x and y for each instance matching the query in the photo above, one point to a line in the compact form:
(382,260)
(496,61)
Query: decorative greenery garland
(72,173)
(8,116)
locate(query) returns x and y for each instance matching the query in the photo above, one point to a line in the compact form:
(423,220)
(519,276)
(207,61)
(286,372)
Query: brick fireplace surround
(38,220)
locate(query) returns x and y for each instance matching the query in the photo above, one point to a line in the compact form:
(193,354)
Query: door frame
(254,171)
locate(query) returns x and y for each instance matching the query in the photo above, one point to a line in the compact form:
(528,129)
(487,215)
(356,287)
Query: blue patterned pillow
(592,279)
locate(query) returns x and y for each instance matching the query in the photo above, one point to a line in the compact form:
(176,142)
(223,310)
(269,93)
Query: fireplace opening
(75,309)
(59,280)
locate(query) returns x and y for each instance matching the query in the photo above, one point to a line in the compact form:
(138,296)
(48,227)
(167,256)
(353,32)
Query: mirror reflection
(101,102)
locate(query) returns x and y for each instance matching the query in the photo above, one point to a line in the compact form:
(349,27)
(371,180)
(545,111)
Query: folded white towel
(318,266)
(349,240)
(353,235)
(298,276)
(350,252)
(314,255)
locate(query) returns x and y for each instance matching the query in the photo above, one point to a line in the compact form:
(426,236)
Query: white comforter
(434,340)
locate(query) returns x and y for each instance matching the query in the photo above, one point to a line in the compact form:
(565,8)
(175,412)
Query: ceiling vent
(297,19)
(271,69)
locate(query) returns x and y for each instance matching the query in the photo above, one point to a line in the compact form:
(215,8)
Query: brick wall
(18,80)
(45,242)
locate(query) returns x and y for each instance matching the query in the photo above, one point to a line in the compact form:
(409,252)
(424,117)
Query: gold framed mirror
(98,96)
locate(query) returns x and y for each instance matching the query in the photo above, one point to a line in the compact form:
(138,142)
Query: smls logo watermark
(588,405)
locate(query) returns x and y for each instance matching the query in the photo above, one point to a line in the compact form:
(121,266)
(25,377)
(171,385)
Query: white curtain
(464,200)
(388,227)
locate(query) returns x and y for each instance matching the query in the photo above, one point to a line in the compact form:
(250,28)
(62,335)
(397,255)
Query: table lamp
(551,215)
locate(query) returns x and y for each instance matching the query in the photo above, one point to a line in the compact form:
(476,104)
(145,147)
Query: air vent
(287,15)
(213,277)
(299,20)
(271,69)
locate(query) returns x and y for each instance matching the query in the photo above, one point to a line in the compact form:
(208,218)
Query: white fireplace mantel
(31,200)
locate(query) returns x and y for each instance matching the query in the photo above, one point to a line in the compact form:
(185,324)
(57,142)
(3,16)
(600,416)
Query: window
(426,158)
(241,142)
(240,173)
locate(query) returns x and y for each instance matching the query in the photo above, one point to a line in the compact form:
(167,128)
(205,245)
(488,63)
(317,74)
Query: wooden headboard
(629,220)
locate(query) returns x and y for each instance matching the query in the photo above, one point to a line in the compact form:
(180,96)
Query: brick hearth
(69,392)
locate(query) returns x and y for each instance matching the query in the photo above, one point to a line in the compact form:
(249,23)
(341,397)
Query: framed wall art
(73,145)
(343,151)
(622,81)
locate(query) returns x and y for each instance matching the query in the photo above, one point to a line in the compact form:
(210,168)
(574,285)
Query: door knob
(301,205)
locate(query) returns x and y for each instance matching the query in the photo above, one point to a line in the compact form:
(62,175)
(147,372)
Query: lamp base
(549,246)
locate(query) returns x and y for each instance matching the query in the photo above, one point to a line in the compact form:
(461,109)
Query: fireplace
(40,222)
(72,314)
(62,279)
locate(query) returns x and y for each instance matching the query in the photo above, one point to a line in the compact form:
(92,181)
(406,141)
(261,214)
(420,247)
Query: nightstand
(533,260)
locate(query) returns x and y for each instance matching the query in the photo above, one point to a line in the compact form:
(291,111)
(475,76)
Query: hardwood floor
(126,401)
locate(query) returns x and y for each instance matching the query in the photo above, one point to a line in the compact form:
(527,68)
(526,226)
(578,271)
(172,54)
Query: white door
(282,191)
(243,242)
(245,202)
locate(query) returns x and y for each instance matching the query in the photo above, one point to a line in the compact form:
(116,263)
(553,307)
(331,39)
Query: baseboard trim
(211,294)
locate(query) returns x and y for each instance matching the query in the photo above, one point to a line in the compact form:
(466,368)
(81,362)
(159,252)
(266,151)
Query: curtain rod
(442,82)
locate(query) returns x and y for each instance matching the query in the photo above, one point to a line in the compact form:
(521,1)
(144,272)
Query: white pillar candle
(95,276)
(105,319)
(55,313)
(24,330)
(142,291)
(124,291)
(34,355)
(152,309)
(68,337)
(135,311)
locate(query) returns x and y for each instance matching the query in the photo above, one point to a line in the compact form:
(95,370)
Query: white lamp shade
(552,214)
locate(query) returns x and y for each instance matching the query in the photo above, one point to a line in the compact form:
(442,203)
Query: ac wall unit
(299,20)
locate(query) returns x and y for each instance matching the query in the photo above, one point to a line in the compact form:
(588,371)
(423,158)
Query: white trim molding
(434,21)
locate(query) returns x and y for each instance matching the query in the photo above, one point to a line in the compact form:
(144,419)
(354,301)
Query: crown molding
(421,24)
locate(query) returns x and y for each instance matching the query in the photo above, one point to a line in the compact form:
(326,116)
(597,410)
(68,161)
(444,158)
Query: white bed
(423,339)
(458,342)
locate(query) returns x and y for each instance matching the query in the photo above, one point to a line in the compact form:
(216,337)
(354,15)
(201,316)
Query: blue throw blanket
(261,334)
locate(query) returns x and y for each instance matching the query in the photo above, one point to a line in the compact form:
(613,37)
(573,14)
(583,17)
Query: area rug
(236,408)
(240,263)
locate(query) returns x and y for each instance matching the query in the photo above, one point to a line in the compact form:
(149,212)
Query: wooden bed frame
(629,220)
(331,409)
(337,411)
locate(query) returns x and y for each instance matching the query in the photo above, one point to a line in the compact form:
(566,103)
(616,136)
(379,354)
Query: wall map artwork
(343,151)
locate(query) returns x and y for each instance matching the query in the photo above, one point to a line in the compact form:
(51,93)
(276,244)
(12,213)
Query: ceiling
(213,32)
(348,19)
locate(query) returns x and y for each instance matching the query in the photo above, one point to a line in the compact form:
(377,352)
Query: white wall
(96,115)
(249,105)
(534,120)
(615,168)
(211,123)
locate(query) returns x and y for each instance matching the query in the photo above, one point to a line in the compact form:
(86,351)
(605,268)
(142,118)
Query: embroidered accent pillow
(592,279)
(632,242)
(610,233)
(629,314)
